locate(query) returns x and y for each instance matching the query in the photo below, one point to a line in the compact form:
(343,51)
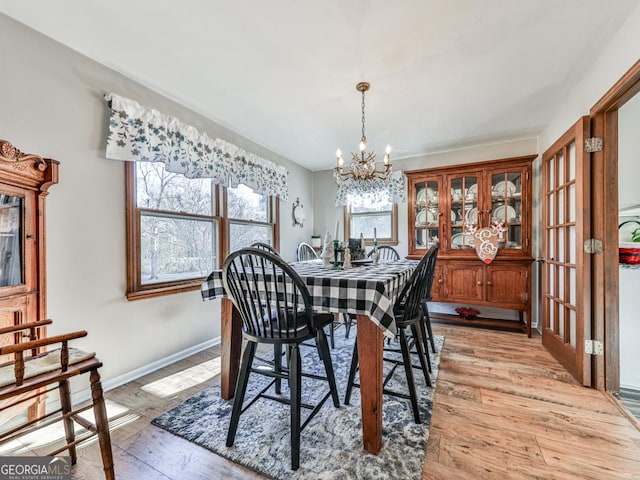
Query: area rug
(331,444)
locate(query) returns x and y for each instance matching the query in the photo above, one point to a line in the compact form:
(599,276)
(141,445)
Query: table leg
(370,344)
(231,332)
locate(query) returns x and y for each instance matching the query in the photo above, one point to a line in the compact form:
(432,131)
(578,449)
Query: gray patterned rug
(331,445)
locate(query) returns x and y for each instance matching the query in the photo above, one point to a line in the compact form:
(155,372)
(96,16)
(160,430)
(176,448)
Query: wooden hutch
(443,200)
(24,183)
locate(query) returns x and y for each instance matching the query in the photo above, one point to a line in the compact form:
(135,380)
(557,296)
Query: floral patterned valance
(141,134)
(368,192)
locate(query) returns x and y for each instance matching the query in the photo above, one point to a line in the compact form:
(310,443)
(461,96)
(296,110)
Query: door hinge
(593,144)
(593,245)
(593,347)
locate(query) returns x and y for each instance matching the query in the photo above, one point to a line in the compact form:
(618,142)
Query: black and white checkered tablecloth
(367,290)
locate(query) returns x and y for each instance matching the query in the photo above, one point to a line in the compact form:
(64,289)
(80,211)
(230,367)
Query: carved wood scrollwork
(9,153)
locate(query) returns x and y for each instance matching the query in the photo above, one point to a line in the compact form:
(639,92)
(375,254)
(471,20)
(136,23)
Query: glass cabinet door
(507,198)
(463,203)
(11,272)
(427,214)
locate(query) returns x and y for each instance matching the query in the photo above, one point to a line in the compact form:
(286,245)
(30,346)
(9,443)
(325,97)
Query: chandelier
(363,165)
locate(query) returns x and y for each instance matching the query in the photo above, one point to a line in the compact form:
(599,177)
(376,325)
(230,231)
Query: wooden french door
(566,274)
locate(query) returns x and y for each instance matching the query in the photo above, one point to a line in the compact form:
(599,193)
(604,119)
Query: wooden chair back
(386,253)
(266,247)
(305,252)
(33,373)
(409,302)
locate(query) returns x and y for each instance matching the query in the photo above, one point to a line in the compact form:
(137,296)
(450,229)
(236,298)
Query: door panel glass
(572,160)
(561,320)
(560,255)
(561,206)
(552,318)
(572,202)
(11,248)
(551,245)
(572,245)
(572,329)
(560,292)
(560,168)
(572,286)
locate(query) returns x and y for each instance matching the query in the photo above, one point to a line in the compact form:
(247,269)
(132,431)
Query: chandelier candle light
(363,165)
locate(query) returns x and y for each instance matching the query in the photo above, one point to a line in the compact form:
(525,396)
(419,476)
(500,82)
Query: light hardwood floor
(504,409)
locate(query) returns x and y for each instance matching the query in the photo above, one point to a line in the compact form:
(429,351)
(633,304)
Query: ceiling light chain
(363,166)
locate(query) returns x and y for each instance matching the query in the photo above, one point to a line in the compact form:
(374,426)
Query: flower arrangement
(468,313)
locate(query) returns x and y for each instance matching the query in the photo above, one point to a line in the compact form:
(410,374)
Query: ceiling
(443,73)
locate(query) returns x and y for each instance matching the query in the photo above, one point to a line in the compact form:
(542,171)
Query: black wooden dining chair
(266,247)
(425,323)
(275,306)
(306,252)
(408,314)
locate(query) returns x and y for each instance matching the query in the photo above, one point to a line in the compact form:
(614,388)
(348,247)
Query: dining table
(368,291)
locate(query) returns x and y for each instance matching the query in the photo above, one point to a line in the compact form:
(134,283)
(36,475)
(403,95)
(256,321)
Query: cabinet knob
(440,280)
(489,283)
(478,283)
(31,235)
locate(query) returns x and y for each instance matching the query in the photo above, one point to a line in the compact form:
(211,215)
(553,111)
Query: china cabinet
(446,204)
(24,181)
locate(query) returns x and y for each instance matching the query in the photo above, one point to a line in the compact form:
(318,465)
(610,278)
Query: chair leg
(277,366)
(323,350)
(427,321)
(295,380)
(422,357)
(332,336)
(102,424)
(352,374)
(348,321)
(422,331)
(241,389)
(65,402)
(406,356)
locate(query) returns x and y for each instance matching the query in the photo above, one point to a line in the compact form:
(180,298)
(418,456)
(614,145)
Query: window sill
(162,290)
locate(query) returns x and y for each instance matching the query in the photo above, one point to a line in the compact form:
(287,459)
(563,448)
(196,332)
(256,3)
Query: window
(176,230)
(382,216)
(172,230)
(251,217)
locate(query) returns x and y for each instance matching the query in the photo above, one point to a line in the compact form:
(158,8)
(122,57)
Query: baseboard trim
(158,364)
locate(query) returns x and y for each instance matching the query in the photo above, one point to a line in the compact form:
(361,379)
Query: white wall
(52,105)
